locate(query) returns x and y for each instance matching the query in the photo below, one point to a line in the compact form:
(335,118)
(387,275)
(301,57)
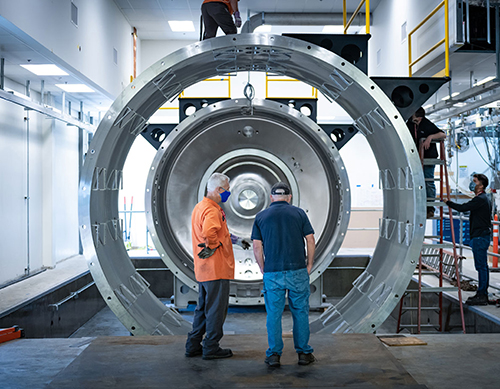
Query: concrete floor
(447,361)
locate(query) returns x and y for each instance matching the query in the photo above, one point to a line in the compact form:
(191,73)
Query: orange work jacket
(208,225)
(231,10)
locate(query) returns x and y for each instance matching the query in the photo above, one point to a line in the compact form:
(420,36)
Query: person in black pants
(480,232)
(423,130)
(217,13)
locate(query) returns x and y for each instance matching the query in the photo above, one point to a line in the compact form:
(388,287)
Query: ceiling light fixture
(45,70)
(75,88)
(181,26)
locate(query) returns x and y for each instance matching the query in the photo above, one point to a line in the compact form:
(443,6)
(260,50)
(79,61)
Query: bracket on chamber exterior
(409,93)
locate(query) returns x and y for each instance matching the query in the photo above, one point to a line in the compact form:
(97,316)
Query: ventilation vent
(74,14)
(115,56)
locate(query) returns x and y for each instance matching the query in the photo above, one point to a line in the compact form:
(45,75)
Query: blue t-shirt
(282,228)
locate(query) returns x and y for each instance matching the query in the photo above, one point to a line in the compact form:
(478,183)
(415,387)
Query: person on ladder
(480,232)
(217,13)
(422,129)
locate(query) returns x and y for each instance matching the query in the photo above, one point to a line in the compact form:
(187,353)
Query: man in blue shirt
(278,242)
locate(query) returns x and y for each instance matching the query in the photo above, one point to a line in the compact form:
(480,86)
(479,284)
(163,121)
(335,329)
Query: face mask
(224,196)
(472,186)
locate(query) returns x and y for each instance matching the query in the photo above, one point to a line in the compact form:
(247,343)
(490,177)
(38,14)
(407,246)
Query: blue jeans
(430,186)
(275,286)
(479,247)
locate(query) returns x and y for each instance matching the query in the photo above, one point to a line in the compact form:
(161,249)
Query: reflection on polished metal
(253,165)
(248,199)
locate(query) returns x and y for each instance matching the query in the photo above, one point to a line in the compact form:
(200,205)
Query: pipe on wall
(298,19)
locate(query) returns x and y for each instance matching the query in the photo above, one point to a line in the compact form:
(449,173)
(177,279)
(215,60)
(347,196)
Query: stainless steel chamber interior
(374,294)
(285,146)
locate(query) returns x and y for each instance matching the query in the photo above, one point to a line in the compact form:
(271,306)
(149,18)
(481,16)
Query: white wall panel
(13,221)
(53,191)
(152,51)
(65,194)
(387,37)
(36,124)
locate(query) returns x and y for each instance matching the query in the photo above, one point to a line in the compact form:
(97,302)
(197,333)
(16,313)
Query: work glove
(237,19)
(243,243)
(206,252)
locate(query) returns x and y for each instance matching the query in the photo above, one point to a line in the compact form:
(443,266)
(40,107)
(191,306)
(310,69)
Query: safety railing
(445,41)
(347,24)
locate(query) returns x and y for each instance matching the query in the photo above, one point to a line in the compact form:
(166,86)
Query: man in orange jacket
(213,268)
(217,13)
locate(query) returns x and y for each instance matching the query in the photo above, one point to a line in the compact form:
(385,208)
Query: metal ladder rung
(433,161)
(439,245)
(436,289)
(432,236)
(426,272)
(435,203)
(433,179)
(421,308)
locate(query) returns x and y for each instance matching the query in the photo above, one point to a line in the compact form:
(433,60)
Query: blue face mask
(224,195)
(472,186)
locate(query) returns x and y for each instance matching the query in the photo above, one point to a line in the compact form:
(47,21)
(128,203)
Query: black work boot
(273,360)
(220,353)
(195,353)
(478,299)
(306,359)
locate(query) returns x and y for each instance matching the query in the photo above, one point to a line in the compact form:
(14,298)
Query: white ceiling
(151,17)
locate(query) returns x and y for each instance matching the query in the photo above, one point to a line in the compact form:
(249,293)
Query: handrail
(445,40)
(72,295)
(367,16)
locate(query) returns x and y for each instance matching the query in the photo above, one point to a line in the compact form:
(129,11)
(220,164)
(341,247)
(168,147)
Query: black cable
(487,163)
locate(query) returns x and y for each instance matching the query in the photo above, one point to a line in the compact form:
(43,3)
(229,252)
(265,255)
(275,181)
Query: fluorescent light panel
(181,25)
(75,88)
(45,70)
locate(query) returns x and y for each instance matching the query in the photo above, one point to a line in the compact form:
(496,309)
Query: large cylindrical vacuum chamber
(256,145)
